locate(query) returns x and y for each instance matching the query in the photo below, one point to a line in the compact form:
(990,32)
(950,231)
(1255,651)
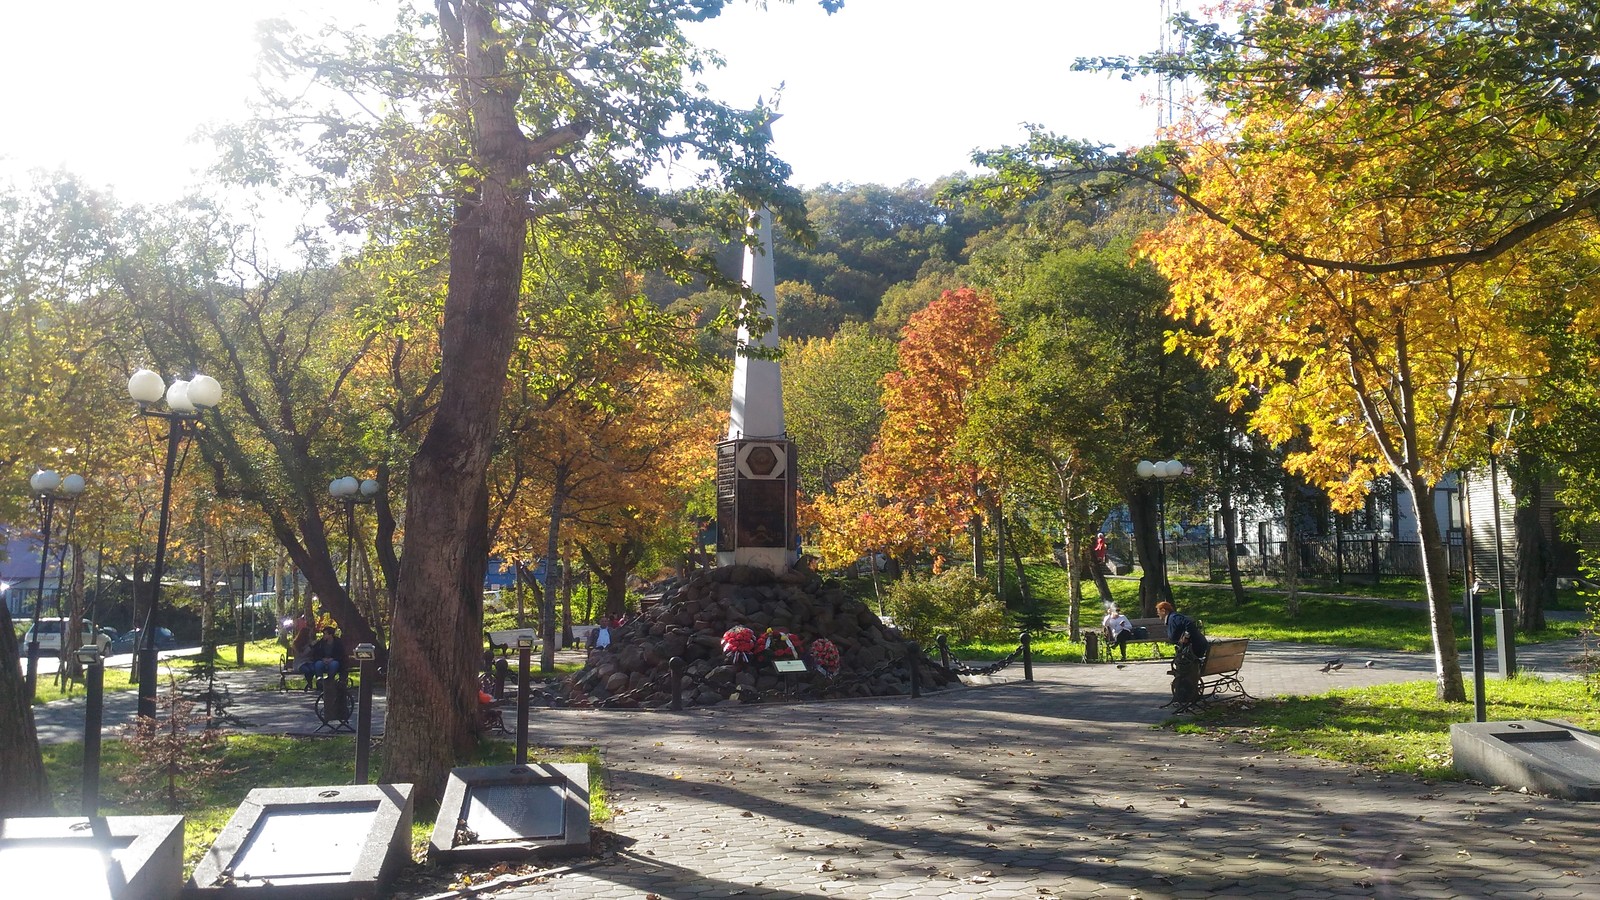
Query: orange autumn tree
(914,490)
(1377,372)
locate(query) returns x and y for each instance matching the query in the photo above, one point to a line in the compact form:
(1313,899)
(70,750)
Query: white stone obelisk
(757,384)
(756,464)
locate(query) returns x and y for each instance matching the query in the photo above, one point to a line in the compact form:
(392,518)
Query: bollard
(1027,658)
(914,656)
(1091,647)
(944,651)
(524,660)
(676,666)
(365,654)
(94,701)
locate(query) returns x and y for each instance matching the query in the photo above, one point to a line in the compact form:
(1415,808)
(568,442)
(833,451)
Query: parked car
(130,639)
(50,636)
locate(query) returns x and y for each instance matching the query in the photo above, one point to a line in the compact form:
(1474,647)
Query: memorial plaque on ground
(311,843)
(512,812)
(1545,755)
(120,857)
(508,812)
(293,844)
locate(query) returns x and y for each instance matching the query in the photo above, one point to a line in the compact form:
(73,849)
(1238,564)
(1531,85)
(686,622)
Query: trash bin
(1091,646)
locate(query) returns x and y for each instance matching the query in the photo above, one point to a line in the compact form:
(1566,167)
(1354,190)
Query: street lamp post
(185,399)
(1162,472)
(350,491)
(49,487)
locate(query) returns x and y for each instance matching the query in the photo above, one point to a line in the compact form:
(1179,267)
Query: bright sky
(883,91)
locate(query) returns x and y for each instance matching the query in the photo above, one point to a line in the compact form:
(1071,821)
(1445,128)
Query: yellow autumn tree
(1378,371)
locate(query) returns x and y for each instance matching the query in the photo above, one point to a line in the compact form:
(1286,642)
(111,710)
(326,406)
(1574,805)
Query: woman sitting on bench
(1182,630)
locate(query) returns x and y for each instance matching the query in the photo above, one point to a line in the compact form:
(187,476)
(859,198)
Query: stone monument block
(120,857)
(512,812)
(1548,756)
(311,843)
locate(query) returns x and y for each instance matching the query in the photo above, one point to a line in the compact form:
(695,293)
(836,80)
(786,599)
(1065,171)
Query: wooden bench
(287,669)
(1155,632)
(1219,675)
(505,641)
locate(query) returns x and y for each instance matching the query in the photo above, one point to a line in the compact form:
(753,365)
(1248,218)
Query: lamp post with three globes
(185,400)
(49,486)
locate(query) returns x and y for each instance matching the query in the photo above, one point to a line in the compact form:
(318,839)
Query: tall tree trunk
(23,790)
(1535,558)
(975,529)
(1436,578)
(1146,547)
(438,617)
(1230,534)
(566,597)
(547,598)
(1072,561)
(1291,545)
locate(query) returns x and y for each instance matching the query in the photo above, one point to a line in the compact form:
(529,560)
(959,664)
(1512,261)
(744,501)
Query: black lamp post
(1162,472)
(94,684)
(185,399)
(350,491)
(49,487)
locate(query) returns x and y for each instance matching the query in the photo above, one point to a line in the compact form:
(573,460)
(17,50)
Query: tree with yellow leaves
(1377,372)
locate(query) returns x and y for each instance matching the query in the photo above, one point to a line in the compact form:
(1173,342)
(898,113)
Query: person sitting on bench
(325,658)
(1118,630)
(1182,630)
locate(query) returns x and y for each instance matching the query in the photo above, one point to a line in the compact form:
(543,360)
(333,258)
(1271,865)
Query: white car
(50,636)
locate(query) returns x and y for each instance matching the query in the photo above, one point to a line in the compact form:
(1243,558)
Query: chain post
(944,651)
(1027,658)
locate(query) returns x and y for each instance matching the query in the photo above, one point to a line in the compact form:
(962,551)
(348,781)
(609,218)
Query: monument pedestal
(756,503)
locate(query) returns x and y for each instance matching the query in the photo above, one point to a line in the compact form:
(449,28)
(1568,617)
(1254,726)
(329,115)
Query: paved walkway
(1060,788)
(1055,789)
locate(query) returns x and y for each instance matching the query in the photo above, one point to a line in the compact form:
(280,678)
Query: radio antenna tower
(1171,89)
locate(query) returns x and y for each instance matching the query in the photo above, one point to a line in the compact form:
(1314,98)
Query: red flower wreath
(825,655)
(739,643)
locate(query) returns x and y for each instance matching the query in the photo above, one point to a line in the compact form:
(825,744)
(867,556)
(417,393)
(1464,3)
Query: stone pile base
(689,623)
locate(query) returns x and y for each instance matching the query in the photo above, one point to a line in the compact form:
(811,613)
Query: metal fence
(1344,558)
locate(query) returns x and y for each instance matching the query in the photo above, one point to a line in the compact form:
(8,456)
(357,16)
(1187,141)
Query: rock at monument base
(689,623)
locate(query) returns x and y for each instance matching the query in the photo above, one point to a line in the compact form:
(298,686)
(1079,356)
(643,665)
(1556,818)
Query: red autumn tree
(913,477)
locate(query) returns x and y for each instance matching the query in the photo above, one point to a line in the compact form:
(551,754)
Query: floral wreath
(825,656)
(776,645)
(739,643)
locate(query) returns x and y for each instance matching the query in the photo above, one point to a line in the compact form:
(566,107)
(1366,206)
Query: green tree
(508,129)
(832,402)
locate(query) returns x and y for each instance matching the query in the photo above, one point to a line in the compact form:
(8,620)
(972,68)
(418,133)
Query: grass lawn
(1322,620)
(1392,728)
(254,760)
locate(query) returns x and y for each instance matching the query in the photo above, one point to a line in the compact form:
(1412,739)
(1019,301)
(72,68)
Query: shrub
(953,602)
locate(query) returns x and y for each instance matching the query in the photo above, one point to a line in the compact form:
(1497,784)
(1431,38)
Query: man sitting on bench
(325,658)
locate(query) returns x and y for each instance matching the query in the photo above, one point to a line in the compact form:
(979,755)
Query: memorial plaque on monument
(121,857)
(342,841)
(1544,755)
(508,812)
(790,666)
